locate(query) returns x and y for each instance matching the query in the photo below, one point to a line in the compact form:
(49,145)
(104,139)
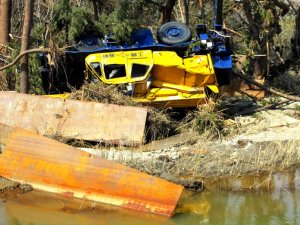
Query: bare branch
(35,50)
(233,31)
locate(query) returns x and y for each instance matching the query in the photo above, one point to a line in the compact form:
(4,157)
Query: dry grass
(206,120)
(109,94)
(159,124)
(202,161)
(257,159)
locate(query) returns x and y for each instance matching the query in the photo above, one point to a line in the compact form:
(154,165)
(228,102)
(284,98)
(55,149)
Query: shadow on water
(289,180)
(279,205)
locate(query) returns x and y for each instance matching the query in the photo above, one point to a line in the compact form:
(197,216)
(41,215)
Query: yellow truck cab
(159,78)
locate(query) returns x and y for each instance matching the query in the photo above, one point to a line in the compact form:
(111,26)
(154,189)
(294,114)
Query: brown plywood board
(55,167)
(118,123)
(30,112)
(74,119)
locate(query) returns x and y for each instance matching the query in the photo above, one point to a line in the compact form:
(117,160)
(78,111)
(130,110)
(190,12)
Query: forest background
(263,32)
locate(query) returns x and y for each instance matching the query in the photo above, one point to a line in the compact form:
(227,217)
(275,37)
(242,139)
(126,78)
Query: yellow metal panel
(181,100)
(172,75)
(162,92)
(198,64)
(113,57)
(198,80)
(200,71)
(145,55)
(182,88)
(214,88)
(167,58)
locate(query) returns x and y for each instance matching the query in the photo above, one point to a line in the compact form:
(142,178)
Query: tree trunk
(28,11)
(202,16)
(296,38)
(5,14)
(95,7)
(186,11)
(167,11)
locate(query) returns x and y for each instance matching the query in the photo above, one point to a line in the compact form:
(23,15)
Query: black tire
(174,33)
(88,43)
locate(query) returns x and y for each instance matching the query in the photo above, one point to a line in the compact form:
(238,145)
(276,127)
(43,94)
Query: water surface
(280,205)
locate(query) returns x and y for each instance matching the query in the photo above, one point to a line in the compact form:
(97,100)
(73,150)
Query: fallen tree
(242,76)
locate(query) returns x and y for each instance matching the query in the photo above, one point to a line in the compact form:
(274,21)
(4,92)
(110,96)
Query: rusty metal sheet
(55,167)
(90,121)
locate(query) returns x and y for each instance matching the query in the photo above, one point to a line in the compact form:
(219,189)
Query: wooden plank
(55,167)
(89,121)
(34,113)
(116,124)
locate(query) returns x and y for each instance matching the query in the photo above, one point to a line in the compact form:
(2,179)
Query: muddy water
(280,205)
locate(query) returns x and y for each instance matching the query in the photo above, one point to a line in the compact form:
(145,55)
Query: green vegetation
(64,22)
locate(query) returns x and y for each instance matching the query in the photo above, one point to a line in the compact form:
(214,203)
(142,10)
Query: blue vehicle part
(222,62)
(142,37)
(223,68)
(201,31)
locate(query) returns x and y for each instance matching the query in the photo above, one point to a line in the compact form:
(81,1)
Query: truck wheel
(88,42)
(173,33)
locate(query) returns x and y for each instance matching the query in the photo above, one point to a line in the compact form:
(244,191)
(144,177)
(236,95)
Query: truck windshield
(138,70)
(114,71)
(96,67)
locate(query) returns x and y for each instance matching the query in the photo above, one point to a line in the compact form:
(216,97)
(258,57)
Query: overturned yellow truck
(159,78)
(175,71)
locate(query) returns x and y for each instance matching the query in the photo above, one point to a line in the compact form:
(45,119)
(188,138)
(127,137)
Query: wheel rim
(174,32)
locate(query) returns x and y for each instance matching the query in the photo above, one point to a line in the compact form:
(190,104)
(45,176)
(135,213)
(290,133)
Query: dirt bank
(263,143)
(260,144)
